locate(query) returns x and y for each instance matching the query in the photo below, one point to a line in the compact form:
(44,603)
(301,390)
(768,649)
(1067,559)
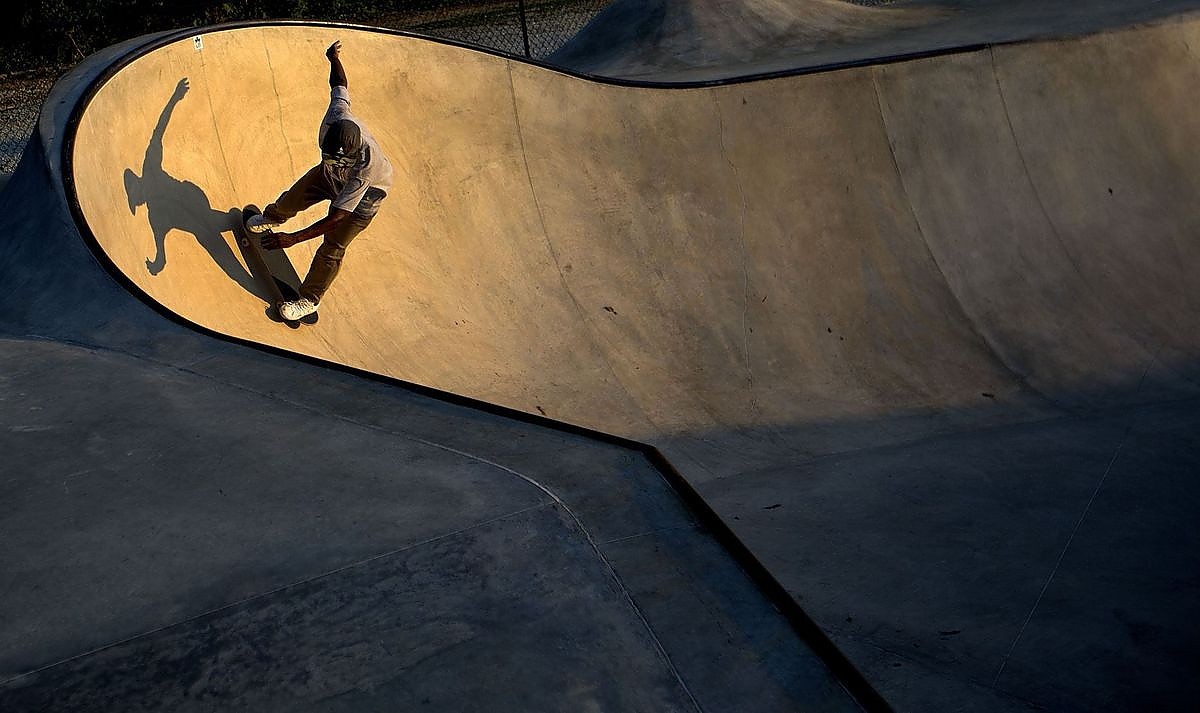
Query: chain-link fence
(533,28)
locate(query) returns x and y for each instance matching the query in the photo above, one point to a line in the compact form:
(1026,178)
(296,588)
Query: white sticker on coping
(198,43)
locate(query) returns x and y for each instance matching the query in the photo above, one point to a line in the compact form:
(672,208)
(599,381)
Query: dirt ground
(22,88)
(21,97)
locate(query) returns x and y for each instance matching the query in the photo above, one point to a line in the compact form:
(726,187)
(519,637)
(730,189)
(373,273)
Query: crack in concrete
(212,112)
(279,103)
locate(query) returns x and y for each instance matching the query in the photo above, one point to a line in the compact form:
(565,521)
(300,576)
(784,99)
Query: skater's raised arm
(337,73)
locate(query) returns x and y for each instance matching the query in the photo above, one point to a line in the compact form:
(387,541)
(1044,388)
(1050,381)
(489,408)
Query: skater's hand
(277,241)
(337,73)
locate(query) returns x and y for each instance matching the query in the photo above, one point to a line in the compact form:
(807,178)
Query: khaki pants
(321,184)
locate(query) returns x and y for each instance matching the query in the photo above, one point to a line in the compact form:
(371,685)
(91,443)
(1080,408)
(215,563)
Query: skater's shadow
(172,204)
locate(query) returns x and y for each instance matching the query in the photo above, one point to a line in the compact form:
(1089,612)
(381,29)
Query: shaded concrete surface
(922,333)
(223,538)
(213,539)
(674,40)
(191,524)
(1101,503)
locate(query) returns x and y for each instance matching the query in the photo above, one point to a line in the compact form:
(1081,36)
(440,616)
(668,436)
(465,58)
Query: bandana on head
(342,145)
(339,161)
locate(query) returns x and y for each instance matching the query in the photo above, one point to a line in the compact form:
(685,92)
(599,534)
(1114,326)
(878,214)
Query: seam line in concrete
(737,179)
(1012,130)
(1086,509)
(562,278)
(1062,555)
(651,533)
(978,333)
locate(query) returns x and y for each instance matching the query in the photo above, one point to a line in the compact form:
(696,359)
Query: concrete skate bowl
(763,279)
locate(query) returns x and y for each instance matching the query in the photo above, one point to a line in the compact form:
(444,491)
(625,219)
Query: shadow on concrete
(1037,552)
(173,204)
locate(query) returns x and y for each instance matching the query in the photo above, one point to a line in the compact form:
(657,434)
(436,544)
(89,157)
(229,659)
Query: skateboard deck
(273,270)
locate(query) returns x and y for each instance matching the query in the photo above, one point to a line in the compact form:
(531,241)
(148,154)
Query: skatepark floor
(242,531)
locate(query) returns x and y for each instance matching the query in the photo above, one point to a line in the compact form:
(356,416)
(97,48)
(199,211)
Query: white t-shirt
(373,170)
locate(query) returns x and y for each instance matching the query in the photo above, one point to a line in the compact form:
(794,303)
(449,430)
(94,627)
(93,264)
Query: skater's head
(342,144)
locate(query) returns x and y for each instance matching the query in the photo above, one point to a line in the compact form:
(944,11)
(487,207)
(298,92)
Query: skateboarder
(353,175)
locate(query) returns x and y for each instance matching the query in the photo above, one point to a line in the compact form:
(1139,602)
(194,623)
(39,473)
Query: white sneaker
(260,223)
(297,308)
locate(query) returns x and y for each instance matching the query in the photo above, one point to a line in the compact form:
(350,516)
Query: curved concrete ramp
(861,311)
(661,263)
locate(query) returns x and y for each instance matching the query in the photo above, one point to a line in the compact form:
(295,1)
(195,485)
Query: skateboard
(273,270)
